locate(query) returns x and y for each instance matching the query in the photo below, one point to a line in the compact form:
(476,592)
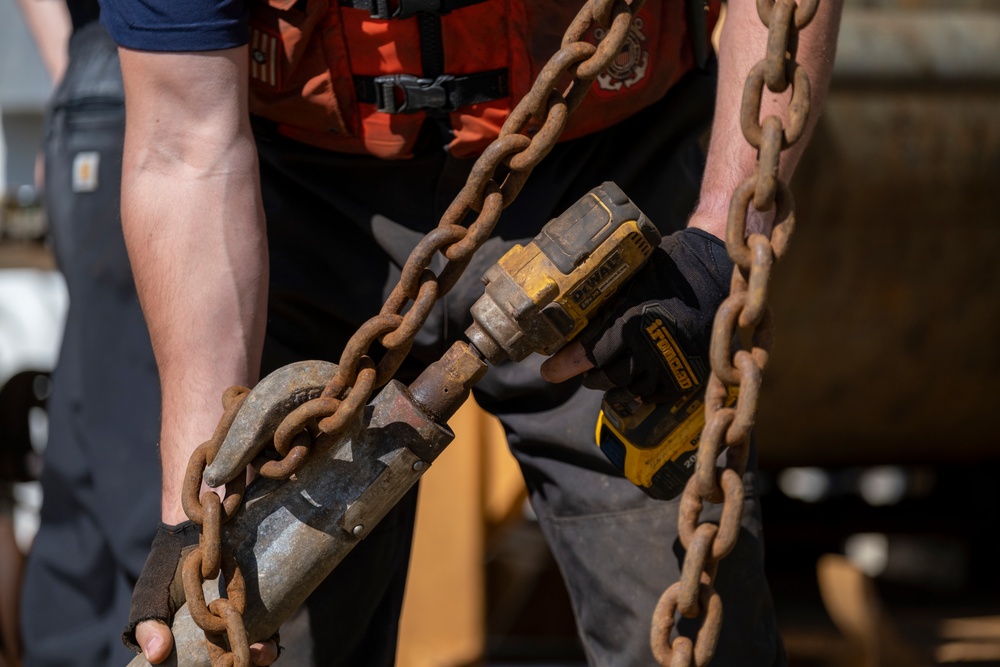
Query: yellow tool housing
(538,297)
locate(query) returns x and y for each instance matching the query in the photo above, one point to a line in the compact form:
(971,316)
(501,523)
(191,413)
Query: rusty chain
(224,616)
(529,133)
(574,67)
(743,319)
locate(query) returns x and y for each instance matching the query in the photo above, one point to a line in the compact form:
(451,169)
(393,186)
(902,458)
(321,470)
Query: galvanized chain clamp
(745,311)
(560,87)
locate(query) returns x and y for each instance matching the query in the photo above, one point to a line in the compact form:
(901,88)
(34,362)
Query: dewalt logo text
(603,277)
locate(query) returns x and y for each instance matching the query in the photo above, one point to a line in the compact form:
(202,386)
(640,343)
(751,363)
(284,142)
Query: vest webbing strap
(383,9)
(405,93)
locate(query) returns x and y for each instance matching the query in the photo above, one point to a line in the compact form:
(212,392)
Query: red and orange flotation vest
(361,76)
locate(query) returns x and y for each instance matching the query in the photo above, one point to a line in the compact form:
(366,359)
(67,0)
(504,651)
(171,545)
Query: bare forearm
(194,228)
(49,24)
(730,158)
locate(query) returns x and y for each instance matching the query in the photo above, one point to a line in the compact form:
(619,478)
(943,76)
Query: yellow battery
(654,445)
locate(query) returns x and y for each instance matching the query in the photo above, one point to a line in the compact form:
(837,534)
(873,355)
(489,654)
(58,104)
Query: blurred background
(879,426)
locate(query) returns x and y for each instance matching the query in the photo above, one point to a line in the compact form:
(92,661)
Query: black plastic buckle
(380,9)
(408,8)
(417,93)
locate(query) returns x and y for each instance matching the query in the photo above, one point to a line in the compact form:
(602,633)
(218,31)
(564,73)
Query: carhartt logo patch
(265,50)
(85,166)
(629,67)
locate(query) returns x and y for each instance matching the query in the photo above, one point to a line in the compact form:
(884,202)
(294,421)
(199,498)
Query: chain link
(744,317)
(223,618)
(514,155)
(526,137)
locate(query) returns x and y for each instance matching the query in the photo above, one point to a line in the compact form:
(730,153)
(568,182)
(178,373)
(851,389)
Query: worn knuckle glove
(159,591)
(659,330)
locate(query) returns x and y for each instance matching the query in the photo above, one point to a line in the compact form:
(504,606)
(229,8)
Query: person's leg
(617,549)
(100,478)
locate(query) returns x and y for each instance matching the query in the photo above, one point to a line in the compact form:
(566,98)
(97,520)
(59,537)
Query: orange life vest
(361,76)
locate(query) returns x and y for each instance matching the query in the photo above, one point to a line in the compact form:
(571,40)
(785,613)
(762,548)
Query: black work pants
(101,475)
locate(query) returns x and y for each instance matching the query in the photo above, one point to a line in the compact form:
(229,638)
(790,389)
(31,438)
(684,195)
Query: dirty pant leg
(618,550)
(101,476)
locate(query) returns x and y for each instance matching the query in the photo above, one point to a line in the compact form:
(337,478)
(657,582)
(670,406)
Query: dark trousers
(339,229)
(101,476)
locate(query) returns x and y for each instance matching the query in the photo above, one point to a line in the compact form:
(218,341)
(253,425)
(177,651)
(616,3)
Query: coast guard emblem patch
(629,67)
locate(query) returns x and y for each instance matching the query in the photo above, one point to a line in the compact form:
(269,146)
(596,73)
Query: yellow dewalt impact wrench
(540,296)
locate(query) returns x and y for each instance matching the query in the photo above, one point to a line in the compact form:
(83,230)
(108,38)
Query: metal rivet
(358,529)
(418,466)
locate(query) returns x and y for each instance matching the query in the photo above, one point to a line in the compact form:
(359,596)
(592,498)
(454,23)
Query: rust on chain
(420,259)
(354,403)
(495,155)
(682,651)
(290,462)
(287,435)
(729,525)
(713,439)
(515,154)
(261,415)
(804,12)
(201,458)
(768,157)
(736,225)
(223,616)
(798,106)
(425,298)
(780,44)
(236,634)
(743,316)
(662,627)
(751,376)
(210,512)
(762,258)
(696,568)
(460,253)
(312,415)
(211,536)
(720,351)
(193,582)
(556,117)
(608,48)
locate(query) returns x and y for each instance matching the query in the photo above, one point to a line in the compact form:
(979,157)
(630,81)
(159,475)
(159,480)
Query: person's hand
(159,593)
(654,340)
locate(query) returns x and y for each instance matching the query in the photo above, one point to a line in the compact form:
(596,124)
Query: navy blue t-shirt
(176,25)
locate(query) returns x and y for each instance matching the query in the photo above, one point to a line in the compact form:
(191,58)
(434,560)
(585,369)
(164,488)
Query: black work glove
(159,592)
(654,341)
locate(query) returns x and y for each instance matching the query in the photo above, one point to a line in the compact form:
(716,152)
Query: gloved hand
(654,341)
(159,593)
